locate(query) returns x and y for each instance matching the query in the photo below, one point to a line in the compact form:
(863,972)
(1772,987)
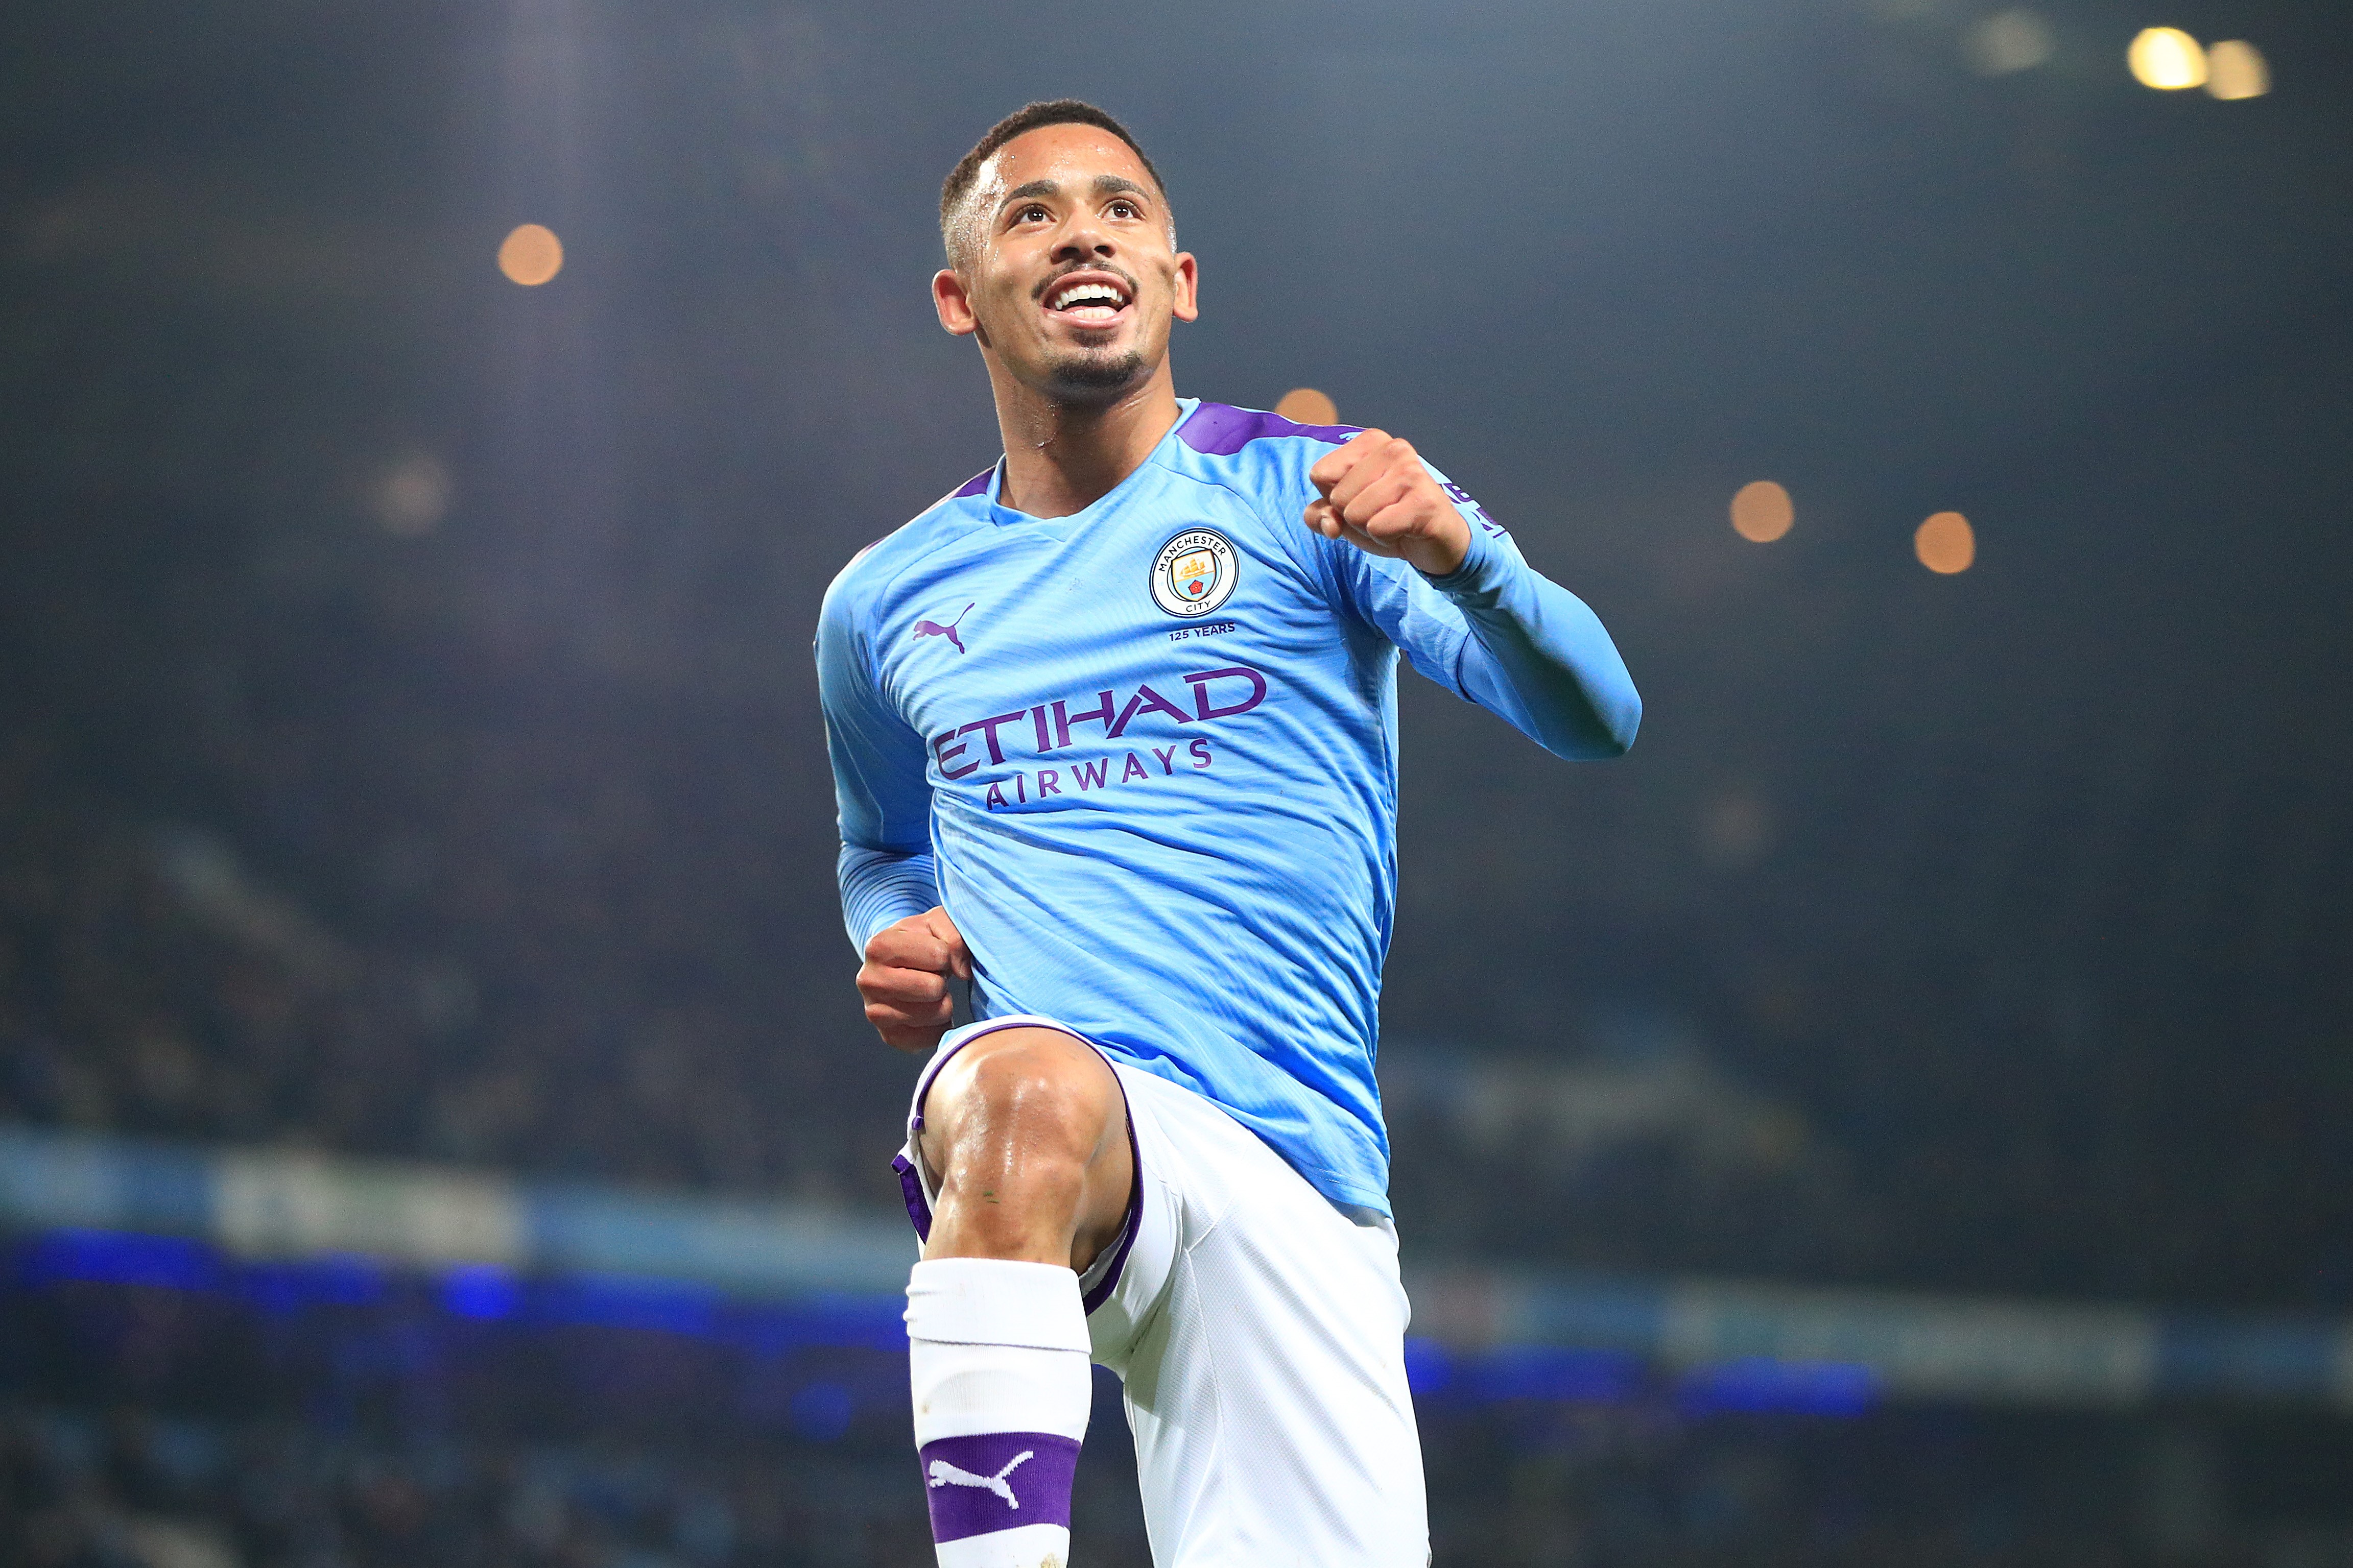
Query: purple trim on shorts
(910,1183)
(998,1480)
(976,486)
(1127,1242)
(919,1212)
(1218,430)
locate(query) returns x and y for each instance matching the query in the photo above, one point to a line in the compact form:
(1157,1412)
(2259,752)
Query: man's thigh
(1266,1388)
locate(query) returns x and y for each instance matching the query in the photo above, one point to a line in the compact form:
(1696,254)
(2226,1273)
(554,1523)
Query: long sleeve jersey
(1145,757)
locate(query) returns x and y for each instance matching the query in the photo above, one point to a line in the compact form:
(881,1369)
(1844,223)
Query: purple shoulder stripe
(976,486)
(1218,430)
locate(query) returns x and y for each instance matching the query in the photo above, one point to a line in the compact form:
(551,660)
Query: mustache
(1121,273)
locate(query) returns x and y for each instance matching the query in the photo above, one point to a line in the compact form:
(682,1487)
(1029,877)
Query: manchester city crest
(1194,572)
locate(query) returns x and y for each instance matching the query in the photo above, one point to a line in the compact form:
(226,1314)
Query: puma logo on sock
(965,1498)
(946,1475)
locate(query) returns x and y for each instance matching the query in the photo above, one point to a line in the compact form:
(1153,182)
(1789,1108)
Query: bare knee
(1034,1093)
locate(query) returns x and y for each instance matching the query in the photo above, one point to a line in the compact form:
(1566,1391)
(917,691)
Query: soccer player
(1114,734)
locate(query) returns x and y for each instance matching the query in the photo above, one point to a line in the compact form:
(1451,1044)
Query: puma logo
(933,628)
(946,1475)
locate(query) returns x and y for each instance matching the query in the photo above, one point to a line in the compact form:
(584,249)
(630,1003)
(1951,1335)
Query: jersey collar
(1004,516)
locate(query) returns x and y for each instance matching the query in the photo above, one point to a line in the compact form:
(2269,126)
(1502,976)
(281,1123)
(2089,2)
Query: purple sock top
(998,1480)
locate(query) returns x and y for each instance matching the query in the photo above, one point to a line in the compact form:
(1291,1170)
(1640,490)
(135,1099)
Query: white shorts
(1259,1334)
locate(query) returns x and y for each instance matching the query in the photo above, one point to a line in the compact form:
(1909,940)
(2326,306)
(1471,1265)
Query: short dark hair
(1028,117)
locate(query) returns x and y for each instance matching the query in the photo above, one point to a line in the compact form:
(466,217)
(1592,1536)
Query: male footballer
(1113,732)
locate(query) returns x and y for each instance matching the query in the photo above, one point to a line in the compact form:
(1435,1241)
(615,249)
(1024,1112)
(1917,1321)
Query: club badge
(1194,572)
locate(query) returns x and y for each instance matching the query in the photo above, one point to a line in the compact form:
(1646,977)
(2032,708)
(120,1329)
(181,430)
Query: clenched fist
(1379,498)
(905,980)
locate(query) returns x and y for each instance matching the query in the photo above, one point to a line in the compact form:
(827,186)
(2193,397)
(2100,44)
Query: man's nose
(1080,240)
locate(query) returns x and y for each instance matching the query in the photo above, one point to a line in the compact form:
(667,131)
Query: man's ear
(1185,305)
(953,303)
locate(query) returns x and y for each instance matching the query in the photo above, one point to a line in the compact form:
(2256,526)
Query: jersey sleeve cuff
(878,888)
(1479,581)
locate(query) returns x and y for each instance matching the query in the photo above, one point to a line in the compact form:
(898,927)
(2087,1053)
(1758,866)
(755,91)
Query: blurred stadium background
(1899,1115)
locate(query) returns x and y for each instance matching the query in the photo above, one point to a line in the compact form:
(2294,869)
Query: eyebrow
(1106,186)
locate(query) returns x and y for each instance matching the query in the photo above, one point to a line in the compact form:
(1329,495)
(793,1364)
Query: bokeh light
(2236,69)
(1735,831)
(2007,41)
(1305,406)
(2165,59)
(531,255)
(1761,511)
(1945,543)
(412,494)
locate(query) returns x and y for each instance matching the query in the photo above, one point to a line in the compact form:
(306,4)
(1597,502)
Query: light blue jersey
(1145,755)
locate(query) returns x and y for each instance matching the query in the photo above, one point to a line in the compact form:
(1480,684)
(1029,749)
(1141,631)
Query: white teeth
(1087,294)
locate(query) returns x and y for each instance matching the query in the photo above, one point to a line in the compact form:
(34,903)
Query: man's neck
(1061,457)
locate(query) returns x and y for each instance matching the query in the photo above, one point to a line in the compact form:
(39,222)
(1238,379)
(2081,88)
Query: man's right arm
(884,798)
(882,886)
(890,885)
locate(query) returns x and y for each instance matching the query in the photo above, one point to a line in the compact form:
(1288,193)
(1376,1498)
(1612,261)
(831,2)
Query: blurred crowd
(151,1427)
(526,981)
(147,1426)
(127,1487)
(548,973)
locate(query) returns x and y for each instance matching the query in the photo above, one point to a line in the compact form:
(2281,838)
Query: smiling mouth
(1088,302)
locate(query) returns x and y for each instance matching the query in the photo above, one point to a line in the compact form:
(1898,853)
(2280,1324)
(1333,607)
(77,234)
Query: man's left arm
(1534,651)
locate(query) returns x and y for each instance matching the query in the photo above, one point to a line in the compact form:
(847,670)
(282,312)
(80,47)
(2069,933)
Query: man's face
(1068,277)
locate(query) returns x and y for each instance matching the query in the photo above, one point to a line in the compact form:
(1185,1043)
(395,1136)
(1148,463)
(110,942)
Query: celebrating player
(1114,734)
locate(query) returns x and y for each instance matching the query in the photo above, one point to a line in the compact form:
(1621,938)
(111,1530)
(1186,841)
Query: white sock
(997,1361)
